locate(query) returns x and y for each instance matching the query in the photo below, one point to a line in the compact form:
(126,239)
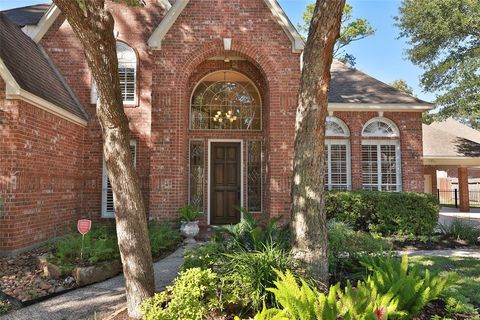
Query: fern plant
(300,302)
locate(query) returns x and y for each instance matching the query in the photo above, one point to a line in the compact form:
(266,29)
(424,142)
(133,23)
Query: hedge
(385,212)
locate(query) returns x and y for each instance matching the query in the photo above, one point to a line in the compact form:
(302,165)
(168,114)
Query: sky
(381,55)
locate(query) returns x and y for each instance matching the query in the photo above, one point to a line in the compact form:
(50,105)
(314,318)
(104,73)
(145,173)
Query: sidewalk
(86,302)
(464,253)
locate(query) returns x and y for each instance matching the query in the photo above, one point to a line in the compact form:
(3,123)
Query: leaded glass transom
(226,100)
(197,174)
(254,176)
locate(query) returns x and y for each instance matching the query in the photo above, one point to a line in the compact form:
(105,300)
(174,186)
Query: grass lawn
(468,270)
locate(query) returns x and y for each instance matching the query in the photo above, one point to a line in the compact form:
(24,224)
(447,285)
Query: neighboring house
(452,146)
(210,90)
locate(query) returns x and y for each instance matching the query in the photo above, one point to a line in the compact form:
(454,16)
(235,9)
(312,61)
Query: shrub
(204,256)
(461,230)
(346,245)
(162,237)
(385,212)
(189,213)
(192,296)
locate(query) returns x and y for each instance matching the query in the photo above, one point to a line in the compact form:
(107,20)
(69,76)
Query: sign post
(83,226)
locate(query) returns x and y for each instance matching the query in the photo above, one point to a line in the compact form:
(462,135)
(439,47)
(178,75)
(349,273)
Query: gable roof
(167,22)
(29,15)
(450,142)
(31,76)
(349,85)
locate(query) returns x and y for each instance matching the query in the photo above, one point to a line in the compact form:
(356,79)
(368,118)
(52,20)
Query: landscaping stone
(88,275)
(49,269)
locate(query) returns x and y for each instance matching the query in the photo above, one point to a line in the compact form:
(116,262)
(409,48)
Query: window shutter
(108,209)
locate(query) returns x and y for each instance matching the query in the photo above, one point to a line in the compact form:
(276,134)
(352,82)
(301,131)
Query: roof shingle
(29,15)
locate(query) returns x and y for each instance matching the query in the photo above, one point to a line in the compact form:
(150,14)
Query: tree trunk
(93,24)
(308,219)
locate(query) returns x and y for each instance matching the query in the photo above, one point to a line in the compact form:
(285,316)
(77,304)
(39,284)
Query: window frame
(190,127)
(126,103)
(328,164)
(190,172)
(105,214)
(390,123)
(398,161)
(247,165)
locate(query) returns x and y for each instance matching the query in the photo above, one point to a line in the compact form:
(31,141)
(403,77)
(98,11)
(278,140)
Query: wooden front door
(225,183)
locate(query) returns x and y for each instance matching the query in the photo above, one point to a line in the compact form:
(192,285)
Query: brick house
(210,90)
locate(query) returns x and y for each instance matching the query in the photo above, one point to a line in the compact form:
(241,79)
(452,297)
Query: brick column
(463,189)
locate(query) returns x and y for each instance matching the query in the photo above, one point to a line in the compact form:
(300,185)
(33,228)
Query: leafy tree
(308,217)
(402,85)
(350,31)
(93,24)
(444,39)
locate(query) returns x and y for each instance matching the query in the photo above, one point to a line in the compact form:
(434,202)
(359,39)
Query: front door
(225,183)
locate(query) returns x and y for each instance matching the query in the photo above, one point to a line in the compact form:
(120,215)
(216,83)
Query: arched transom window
(337,155)
(381,163)
(226,100)
(380,127)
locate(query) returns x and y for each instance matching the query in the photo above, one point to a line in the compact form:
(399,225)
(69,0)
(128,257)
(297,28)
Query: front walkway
(98,300)
(447,215)
(463,253)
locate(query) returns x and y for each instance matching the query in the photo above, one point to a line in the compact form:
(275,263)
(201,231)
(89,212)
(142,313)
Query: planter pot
(190,230)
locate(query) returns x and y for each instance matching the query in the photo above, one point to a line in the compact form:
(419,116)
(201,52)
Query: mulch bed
(21,277)
(440,245)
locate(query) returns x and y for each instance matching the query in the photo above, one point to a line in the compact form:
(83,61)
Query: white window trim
(390,123)
(378,143)
(328,143)
(105,213)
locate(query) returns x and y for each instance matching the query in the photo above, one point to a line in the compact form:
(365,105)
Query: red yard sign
(84,226)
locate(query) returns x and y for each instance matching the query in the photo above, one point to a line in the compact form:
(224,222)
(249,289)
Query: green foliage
(408,288)
(444,41)
(256,268)
(100,245)
(5,307)
(461,230)
(300,302)
(204,256)
(346,245)
(384,212)
(162,237)
(350,30)
(192,296)
(402,86)
(189,213)
(248,234)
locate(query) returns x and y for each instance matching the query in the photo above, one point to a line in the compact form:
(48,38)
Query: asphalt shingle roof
(32,69)
(29,15)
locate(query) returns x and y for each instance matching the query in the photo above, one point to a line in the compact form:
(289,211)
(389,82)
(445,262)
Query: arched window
(380,127)
(381,162)
(127,71)
(337,155)
(226,100)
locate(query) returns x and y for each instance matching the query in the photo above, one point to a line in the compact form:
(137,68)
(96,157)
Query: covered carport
(451,145)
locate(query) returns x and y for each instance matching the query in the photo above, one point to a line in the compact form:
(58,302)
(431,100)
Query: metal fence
(451,198)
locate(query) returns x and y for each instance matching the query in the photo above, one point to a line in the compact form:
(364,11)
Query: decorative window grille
(226,100)
(127,72)
(197,174)
(334,127)
(108,210)
(254,176)
(381,165)
(380,127)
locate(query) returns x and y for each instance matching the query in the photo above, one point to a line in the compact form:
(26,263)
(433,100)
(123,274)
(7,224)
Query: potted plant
(189,217)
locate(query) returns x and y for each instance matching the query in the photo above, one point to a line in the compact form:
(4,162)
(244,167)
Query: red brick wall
(41,177)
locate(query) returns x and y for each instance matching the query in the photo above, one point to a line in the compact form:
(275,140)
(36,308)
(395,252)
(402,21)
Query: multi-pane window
(337,165)
(127,72)
(197,174)
(226,100)
(337,155)
(108,210)
(254,176)
(381,164)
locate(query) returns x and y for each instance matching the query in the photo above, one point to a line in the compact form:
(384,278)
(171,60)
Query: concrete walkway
(448,215)
(465,253)
(98,300)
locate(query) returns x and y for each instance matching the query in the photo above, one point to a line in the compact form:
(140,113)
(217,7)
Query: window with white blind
(381,162)
(127,72)
(337,165)
(108,210)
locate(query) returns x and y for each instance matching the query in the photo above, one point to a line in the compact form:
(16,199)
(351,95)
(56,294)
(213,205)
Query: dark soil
(438,245)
